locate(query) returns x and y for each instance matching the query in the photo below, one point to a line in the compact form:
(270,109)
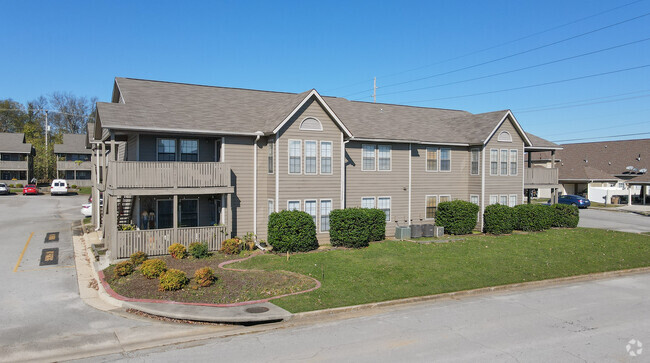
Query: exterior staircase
(124,210)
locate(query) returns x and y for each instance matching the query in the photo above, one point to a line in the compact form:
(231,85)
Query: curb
(457,295)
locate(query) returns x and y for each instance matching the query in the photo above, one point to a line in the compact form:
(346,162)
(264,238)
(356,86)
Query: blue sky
(338,47)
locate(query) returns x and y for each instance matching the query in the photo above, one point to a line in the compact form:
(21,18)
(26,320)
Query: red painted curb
(117,296)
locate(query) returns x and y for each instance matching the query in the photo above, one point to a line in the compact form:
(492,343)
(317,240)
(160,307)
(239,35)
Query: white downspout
(257,138)
(482,185)
(343,143)
(277,173)
(410,153)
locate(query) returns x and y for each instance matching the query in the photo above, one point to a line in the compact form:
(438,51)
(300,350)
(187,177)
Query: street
(617,221)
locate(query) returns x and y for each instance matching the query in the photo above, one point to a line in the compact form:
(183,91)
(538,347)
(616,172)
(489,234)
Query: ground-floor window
(513,200)
(271,207)
(494,199)
(503,200)
(325,209)
(310,208)
(431,205)
(383,203)
(293,205)
(368,202)
(189,213)
(13,174)
(165,213)
(83,174)
(474,199)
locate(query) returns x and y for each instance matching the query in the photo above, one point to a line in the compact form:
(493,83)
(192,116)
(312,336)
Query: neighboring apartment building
(194,163)
(16,159)
(73,160)
(601,170)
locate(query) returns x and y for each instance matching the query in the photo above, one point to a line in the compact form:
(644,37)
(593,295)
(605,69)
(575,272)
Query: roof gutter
(408,141)
(194,131)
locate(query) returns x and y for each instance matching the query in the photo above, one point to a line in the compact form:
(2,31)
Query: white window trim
(390,158)
(198,149)
(289,157)
(374,201)
(307,118)
(320,169)
(304,156)
(507,162)
(426,161)
(478,161)
(294,200)
(272,203)
(318,211)
(271,146)
(425,206)
(507,198)
(440,160)
(390,203)
(180,214)
(497,199)
(478,197)
(176,146)
(316,206)
(517,161)
(445,195)
(510,196)
(374,148)
(497,160)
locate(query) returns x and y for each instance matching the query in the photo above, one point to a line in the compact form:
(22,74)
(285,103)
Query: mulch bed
(230,286)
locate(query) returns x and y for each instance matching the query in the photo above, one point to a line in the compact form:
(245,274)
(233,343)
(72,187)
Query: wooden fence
(156,241)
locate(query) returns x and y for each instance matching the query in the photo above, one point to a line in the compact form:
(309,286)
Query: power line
(582,100)
(510,55)
(584,104)
(518,69)
(495,46)
(603,137)
(603,128)
(45,110)
(535,85)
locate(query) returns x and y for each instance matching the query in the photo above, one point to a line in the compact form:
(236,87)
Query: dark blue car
(580,202)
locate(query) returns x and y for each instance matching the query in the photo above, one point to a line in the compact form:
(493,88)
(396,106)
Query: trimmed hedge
(177,251)
(498,219)
(356,227)
(172,279)
(153,268)
(198,250)
(533,217)
(292,231)
(458,216)
(566,216)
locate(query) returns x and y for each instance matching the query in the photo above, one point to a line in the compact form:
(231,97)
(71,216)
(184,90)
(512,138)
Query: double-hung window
(504,162)
(383,203)
(293,205)
(166,150)
(368,157)
(165,213)
(383,158)
(295,147)
(326,157)
(432,204)
(513,200)
(368,202)
(494,199)
(445,159)
(271,206)
(503,200)
(474,199)
(494,162)
(189,150)
(310,208)
(432,159)
(310,157)
(513,162)
(189,213)
(271,157)
(325,209)
(474,162)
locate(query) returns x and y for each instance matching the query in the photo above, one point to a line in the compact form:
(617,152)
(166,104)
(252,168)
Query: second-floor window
(294,156)
(326,157)
(166,150)
(270,158)
(310,157)
(494,162)
(432,159)
(474,165)
(368,156)
(445,159)
(189,150)
(504,162)
(513,162)
(383,159)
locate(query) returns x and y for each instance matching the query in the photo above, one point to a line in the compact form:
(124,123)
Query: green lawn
(84,190)
(393,269)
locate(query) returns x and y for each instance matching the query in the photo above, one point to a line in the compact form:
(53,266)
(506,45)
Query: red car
(30,189)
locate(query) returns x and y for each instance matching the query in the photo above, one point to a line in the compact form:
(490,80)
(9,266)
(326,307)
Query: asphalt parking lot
(614,220)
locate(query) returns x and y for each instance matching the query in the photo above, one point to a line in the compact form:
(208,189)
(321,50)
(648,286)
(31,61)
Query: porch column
(530,164)
(175,213)
(228,218)
(629,195)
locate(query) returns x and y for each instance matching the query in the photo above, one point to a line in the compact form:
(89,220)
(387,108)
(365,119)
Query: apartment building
(187,163)
(73,160)
(16,159)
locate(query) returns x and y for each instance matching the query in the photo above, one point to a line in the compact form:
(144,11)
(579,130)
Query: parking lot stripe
(23,253)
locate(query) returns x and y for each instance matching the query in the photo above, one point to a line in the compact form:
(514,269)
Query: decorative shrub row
(292,231)
(172,279)
(177,251)
(356,227)
(501,219)
(231,246)
(153,268)
(457,217)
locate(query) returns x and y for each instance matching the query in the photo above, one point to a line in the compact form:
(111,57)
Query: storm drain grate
(257,310)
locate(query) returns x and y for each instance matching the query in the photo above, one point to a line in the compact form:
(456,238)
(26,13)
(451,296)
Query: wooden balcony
(168,177)
(13,165)
(155,242)
(73,165)
(540,177)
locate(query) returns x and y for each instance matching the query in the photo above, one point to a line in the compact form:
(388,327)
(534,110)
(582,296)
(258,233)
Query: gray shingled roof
(72,144)
(14,143)
(541,144)
(196,108)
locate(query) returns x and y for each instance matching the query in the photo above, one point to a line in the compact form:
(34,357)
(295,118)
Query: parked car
(87,209)
(30,189)
(59,186)
(4,189)
(580,202)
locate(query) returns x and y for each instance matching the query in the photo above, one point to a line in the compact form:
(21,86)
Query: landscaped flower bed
(229,286)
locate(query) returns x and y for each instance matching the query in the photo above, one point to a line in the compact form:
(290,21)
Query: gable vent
(311,124)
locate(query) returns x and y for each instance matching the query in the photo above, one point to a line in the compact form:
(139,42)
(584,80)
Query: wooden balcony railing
(13,165)
(73,165)
(541,176)
(167,174)
(155,242)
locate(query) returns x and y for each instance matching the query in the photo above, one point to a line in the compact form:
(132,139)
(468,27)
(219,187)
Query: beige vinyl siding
(501,184)
(132,147)
(149,146)
(313,186)
(238,154)
(452,183)
(263,181)
(378,183)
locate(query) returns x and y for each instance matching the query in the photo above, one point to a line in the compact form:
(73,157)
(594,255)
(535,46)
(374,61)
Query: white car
(59,186)
(4,189)
(87,209)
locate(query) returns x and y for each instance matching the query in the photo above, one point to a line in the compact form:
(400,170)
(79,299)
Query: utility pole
(374,90)
(47,160)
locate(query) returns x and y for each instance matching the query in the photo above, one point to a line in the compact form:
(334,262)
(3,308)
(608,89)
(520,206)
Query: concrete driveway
(614,220)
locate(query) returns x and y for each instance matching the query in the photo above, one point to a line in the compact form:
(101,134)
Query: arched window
(311,124)
(504,136)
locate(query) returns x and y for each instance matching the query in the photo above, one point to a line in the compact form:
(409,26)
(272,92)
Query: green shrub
(231,246)
(73,186)
(566,216)
(172,279)
(204,277)
(138,257)
(177,251)
(292,231)
(458,216)
(355,227)
(198,250)
(153,268)
(19,185)
(533,217)
(10,185)
(498,219)
(124,268)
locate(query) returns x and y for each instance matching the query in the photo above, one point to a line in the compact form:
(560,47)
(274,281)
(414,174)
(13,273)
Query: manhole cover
(257,310)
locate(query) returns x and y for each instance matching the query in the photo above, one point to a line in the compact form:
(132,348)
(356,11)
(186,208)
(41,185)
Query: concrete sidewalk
(638,209)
